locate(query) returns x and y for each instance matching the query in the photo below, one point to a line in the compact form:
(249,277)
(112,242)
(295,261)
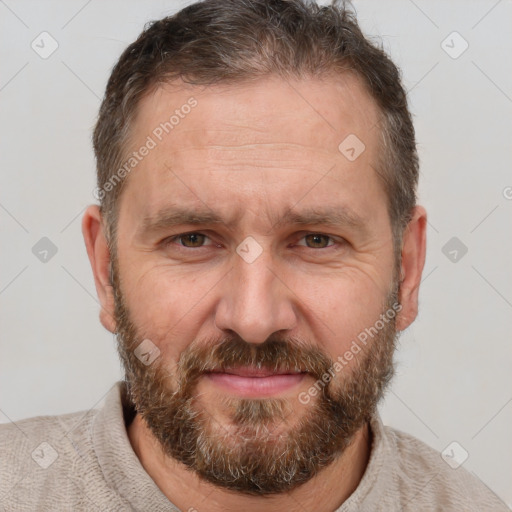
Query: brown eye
(317,241)
(192,240)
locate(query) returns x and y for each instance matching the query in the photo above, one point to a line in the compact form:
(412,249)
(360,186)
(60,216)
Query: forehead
(268,137)
(327,107)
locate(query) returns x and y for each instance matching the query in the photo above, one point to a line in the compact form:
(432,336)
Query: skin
(251,153)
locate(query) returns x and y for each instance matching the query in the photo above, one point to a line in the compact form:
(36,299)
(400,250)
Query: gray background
(454,364)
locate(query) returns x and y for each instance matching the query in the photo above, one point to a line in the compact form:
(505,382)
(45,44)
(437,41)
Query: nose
(255,301)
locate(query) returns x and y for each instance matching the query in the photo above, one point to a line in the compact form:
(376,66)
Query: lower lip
(256,386)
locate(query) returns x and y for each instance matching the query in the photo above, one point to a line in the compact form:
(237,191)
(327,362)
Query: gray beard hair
(249,456)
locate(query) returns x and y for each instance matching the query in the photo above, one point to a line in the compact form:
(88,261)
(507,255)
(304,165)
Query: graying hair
(234,41)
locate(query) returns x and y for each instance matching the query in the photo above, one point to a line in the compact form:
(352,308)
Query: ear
(99,256)
(414,245)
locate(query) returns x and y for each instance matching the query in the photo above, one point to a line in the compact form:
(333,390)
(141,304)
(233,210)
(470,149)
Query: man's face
(254,298)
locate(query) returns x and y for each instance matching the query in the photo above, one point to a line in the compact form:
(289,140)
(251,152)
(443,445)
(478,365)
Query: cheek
(340,307)
(173,307)
(166,307)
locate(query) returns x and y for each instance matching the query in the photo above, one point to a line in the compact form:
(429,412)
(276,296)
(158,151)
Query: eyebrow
(328,216)
(169,217)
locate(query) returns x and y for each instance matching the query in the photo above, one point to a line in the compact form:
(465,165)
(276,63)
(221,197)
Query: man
(257,249)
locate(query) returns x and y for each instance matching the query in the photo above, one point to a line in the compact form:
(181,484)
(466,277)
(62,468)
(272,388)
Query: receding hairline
(178,84)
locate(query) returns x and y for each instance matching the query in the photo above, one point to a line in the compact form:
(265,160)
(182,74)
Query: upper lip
(250,371)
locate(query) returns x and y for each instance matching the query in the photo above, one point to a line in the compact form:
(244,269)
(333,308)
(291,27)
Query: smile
(255,382)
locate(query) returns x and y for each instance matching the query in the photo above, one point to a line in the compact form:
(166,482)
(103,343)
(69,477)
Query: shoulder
(31,442)
(425,478)
(41,454)
(20,435)
(29,426)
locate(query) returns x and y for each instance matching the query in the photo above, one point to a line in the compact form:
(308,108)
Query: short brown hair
(216,41)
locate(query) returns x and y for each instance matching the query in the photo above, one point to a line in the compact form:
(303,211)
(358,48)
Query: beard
(255,452)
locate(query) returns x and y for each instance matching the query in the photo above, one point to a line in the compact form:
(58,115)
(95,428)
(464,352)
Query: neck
(325,492)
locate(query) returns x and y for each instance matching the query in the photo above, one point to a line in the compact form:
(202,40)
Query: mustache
(275,354)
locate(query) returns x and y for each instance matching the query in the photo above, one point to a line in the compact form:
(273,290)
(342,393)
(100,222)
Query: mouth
(251,382)
(251,371)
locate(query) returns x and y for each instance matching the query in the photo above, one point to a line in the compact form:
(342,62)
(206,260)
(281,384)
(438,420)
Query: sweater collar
(119,463)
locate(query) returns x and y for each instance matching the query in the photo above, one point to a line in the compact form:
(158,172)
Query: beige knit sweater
(84,462)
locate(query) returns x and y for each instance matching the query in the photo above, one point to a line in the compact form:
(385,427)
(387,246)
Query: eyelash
(170,240)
